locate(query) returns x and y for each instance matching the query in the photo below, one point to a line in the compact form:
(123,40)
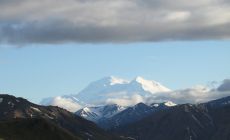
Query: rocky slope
(207,121)
(50,117)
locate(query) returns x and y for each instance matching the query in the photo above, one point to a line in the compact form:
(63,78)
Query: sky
(51,47)
(43,71)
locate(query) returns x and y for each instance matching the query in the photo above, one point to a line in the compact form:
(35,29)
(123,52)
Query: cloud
(66,103)
(108,21)
(225,86)
(197,94)
(126,101)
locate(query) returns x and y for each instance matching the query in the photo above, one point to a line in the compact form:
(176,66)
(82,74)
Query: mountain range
(206,121)
(117,109)
(111,116)
(109,90)
(23,120)
(112,90)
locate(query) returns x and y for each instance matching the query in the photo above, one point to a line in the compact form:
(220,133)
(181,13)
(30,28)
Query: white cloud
(65,103)
(178,16)
(197,94)
(126,101)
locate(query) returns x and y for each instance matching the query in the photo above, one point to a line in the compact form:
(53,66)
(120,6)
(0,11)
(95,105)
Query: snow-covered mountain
(114,115)
(206,121)
(133,113)
(100,112)
(109,90)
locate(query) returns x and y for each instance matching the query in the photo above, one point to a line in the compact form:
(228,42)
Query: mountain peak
(150,85)
(98,112)
(111,89)
(141,80)
(140,106)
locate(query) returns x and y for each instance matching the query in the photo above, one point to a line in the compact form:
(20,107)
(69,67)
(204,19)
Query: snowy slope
(151,86)
(99,112)
(110,87)
(109,90)
(107,115)
(133,113)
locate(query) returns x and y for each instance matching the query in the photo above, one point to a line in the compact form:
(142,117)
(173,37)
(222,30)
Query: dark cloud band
(121,21)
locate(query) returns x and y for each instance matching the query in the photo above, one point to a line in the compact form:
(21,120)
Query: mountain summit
(150,85)
(111,87)
(110,90)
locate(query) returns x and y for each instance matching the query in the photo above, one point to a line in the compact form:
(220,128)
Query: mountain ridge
(206,121)
(119,115)
(109,90)
(12,108)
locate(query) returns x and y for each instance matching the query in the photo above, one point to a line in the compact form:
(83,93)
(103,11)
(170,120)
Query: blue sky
(38,71)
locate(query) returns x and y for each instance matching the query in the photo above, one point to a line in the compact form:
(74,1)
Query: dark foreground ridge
(23,120)
(36,129)
(207,121)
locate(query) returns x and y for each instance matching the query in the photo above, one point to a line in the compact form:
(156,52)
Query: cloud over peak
(100,21)
(225,86)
